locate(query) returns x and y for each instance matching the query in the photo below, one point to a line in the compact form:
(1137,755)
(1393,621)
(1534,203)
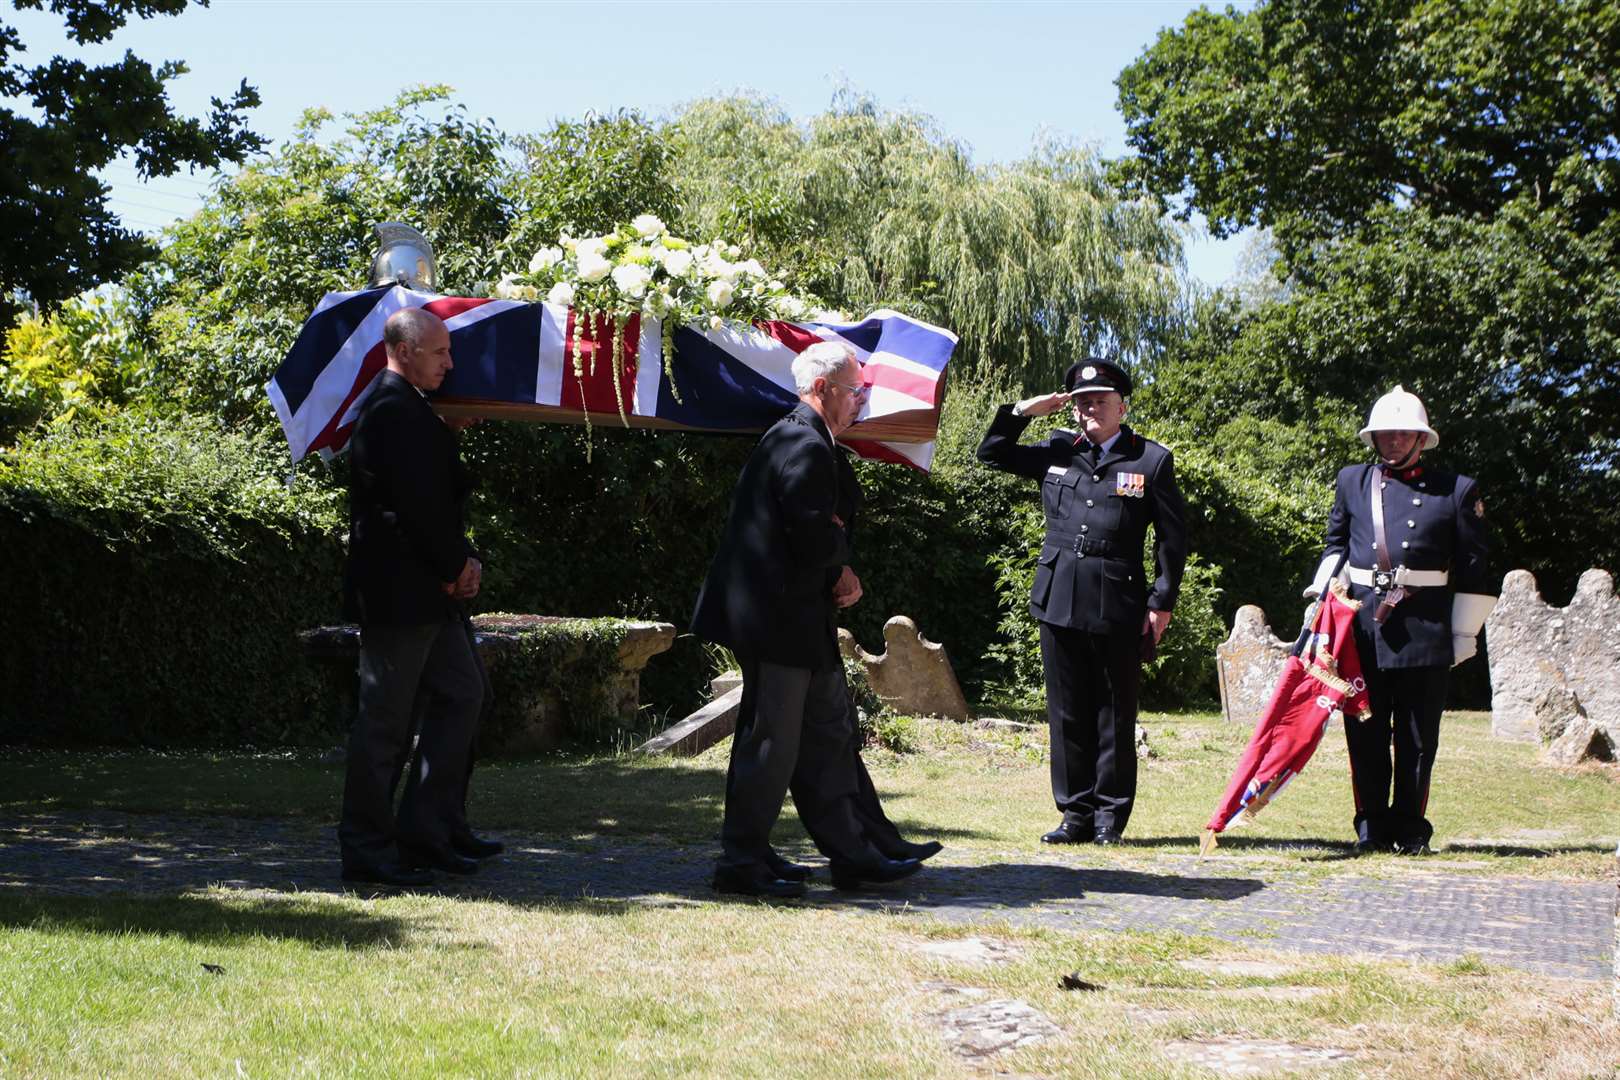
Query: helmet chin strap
(1406,459)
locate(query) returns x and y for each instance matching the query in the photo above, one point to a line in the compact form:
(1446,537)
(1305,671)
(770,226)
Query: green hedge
(157,573)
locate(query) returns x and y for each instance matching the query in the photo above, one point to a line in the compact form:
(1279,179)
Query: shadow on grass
(210,919)
(625,797)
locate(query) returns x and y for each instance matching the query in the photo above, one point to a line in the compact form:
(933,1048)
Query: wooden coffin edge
(909,426)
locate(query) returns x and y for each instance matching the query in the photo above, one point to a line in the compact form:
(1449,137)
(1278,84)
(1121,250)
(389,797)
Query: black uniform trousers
(1405,706)
(397,663)
(794,731)
(425,704)
(1092,682)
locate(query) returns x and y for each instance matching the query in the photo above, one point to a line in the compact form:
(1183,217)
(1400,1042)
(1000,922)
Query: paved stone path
(1560,928)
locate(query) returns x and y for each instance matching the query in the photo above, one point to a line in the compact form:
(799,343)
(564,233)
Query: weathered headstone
(1249,663)
(913,676)
(1552,666)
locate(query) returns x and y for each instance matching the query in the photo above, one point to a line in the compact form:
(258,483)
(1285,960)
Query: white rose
(545,258)
(752,266)
(595,245)
(714,264)
(793,309)
(716,322)
(507,287)
(632,280)
(592,265)
(776,286)
(647,225)
(530,293)
(677,263)
(720,293)
(561,293)
(732,250)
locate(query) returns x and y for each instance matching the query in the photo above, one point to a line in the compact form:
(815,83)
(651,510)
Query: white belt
(1412,579)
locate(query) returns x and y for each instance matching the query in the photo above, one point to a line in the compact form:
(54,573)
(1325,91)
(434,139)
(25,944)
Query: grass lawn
(325,984)
(1494,809)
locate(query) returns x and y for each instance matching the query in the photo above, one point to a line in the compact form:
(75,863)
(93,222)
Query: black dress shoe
(905,849)
(852,875)
(1068,833)
(476,847)
(743,883)
(787,871)
(1109,838)
(1411,847)
(1372,847)
(438,859)
(386,873)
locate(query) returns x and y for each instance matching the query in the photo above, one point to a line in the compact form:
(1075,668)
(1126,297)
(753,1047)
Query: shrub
(157,574)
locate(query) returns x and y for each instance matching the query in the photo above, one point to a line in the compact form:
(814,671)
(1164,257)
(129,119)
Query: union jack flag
(515,359)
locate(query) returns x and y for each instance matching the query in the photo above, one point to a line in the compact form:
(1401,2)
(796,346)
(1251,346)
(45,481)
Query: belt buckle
(1383,580)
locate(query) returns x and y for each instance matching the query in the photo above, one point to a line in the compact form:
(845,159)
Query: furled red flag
(515,359)
(1321,678)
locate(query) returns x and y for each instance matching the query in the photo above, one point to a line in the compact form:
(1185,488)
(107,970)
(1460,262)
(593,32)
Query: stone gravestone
(1555,672)
(1249,662)
(913,676)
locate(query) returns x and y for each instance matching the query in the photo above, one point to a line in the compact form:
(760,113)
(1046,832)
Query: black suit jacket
(767,595)
(1090,573)
(407,487)
(1435,521)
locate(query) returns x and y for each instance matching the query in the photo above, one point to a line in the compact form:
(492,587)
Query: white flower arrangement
(643,269)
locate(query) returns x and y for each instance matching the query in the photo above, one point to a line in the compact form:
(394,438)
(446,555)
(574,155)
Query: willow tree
(1033,263)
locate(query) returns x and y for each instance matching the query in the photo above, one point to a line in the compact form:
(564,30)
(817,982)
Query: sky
(995,76)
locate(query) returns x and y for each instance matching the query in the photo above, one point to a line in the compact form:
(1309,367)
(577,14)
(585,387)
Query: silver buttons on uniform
(1095,477)
(1417,502)
(1090,503)
(1085,528)
(1410,524)
(1405,544)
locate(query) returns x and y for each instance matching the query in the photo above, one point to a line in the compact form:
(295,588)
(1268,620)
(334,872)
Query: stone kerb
(1248,664)
(1555,672)
(913,675)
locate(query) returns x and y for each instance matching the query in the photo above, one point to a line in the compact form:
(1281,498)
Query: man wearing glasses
(772,596)
(1100,615)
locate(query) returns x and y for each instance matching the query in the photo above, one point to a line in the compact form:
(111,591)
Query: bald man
(410,567)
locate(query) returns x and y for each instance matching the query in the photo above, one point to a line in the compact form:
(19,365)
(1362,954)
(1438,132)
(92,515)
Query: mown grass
(324,985)
(330,984)
(977,789)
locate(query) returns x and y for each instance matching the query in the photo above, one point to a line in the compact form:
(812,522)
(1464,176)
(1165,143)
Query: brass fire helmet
(404,258)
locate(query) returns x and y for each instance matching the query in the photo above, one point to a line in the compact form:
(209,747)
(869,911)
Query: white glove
(1324,574)
(1468,614)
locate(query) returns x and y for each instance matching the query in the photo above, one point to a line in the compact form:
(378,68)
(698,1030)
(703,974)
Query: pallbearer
(1100,614)
(1416,540)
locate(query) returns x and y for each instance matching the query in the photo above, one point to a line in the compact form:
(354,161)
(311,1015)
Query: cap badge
(1088,372)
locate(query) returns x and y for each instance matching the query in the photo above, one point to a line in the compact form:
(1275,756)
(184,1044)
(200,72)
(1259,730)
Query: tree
(1032,263)
(61,237)
(1442,179)
(1308,115)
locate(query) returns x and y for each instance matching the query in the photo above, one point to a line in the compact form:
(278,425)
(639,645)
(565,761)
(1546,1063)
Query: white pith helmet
(1400,410)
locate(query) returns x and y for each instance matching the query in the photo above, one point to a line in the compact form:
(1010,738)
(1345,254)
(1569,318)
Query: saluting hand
(1044,405)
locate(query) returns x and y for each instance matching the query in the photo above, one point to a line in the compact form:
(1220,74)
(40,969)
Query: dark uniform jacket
(1090,574)
(1435,520)
(768,592)
(407,487)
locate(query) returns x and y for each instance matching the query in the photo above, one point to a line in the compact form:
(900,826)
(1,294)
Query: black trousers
(425,704)
(1092,681)
(397,663)
(1406,704)
(837,802)
(794,729)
